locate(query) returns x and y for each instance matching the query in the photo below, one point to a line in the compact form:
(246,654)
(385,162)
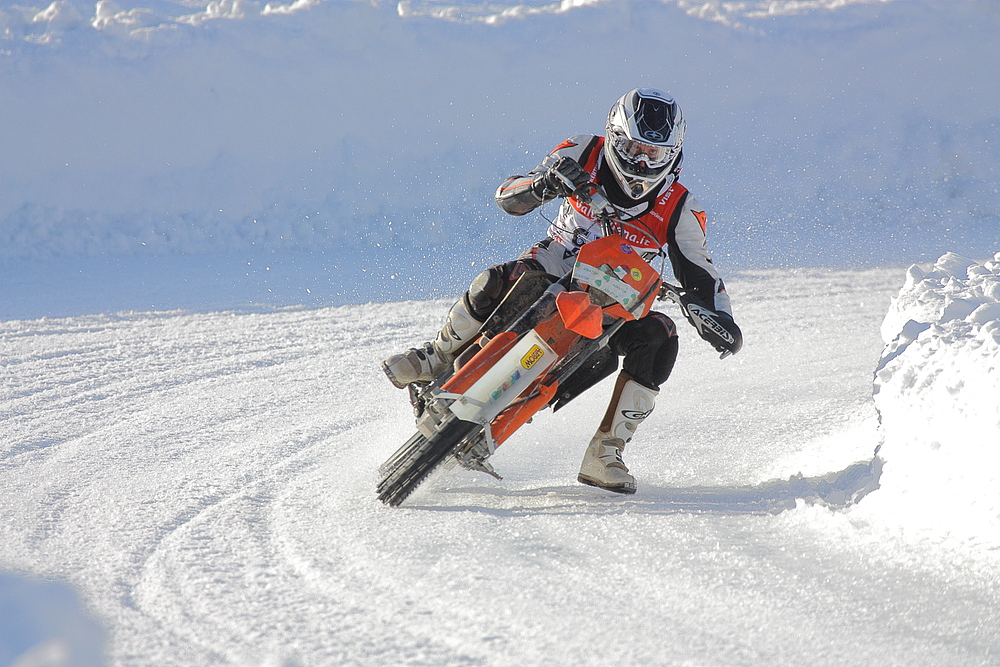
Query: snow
(828,133)
(936,388)
(206,480)
(218,217)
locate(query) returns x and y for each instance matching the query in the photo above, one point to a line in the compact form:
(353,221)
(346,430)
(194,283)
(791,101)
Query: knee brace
(487,291)
(490,287)
(650,348)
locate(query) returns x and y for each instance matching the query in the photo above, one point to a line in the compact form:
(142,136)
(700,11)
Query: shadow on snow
(835,490)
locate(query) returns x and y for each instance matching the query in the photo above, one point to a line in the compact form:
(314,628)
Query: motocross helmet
(645,132)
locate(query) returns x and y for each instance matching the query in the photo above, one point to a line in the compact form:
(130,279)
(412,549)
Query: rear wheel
(413,462)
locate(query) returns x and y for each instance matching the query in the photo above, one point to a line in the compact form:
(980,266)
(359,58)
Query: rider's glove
(561,178)
(736,343)
(717,328)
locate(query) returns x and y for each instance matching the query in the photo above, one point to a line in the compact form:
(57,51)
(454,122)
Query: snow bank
(43,625)
(377,129)
(937,388)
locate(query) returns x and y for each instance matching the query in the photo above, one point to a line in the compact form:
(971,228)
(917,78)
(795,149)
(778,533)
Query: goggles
(633,153)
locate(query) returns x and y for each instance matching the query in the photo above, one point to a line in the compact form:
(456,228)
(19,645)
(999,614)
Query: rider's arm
(693,268)
(522,194)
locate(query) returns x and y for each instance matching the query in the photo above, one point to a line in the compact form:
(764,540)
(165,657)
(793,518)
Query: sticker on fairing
(607,283)
(493,392)
(533,355)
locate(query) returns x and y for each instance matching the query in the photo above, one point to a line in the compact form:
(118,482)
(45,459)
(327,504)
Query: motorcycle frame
(540,349)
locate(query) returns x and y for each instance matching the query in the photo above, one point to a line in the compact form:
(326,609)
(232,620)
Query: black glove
(718,328)
(557,179)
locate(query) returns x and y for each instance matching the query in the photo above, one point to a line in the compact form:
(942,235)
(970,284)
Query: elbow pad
(521,194)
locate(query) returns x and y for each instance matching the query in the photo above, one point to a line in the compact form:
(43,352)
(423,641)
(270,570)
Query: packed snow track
(205,482)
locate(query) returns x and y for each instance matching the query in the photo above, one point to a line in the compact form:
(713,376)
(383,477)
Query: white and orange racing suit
(669,221)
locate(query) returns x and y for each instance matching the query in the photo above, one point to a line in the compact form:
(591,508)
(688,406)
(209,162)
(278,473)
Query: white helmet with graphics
(645,133)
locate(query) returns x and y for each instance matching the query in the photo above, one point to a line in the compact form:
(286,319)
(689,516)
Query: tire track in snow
(229,517)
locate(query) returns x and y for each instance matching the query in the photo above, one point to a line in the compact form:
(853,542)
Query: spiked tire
(393,463)
(413,462)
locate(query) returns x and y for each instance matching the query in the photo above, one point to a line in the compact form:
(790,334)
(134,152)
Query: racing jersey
(668,220)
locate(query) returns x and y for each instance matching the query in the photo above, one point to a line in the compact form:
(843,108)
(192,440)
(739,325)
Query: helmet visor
(641,158)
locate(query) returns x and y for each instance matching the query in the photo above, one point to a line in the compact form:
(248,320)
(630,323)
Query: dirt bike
(545,344)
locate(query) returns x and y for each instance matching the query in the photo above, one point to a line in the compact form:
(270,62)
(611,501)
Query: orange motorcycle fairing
(613,266)
(579,314)
(484,359)
(518,414)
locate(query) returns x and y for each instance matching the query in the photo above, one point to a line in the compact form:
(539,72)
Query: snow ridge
(47,24)
(936,389)
(739,15)
(153,127)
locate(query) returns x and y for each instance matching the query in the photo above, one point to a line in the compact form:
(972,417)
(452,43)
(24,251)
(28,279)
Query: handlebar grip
(591,194)
(570,185)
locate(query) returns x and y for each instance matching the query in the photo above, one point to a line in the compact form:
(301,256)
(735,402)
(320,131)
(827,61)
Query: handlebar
(604,211)
(671,292)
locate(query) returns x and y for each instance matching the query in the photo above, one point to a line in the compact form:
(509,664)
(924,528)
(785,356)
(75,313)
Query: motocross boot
(424,363)
(603,466)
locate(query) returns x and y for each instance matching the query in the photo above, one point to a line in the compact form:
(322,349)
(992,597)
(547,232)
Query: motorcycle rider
(637,163)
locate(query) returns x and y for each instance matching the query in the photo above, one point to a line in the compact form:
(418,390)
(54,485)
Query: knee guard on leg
(487,291)
(490,287)
(649,346)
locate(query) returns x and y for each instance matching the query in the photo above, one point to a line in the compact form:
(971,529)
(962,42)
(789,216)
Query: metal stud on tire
(406,470)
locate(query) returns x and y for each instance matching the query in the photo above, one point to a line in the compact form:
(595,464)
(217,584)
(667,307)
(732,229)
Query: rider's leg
(650,349)
(424,363)
(602,464)
(465,319)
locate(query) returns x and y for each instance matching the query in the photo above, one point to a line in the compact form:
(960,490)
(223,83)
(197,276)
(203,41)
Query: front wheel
(411,465)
